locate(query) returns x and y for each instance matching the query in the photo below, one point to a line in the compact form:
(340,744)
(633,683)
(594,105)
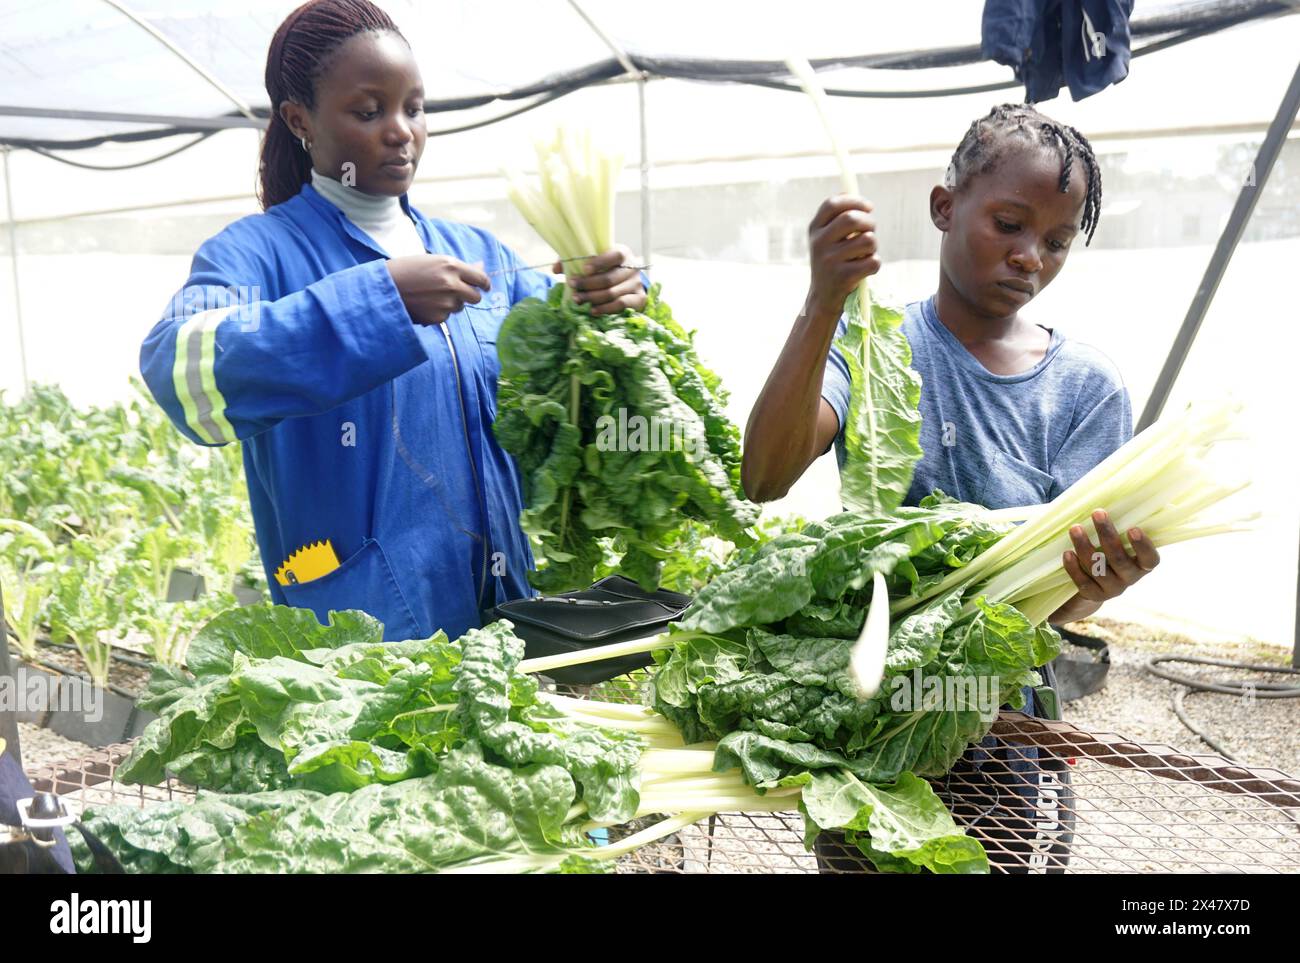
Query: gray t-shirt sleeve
(835,382)
(1107,426)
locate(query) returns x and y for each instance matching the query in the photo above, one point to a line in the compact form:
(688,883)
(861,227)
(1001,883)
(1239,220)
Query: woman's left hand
(1105,574)
(609,285)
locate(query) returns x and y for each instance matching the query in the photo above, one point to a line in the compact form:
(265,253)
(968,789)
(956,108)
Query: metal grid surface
(1109,805)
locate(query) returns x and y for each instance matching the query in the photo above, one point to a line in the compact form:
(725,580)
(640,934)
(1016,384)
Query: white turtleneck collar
(383,218)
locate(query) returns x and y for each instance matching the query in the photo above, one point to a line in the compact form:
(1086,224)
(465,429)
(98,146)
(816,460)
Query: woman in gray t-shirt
(1013,413)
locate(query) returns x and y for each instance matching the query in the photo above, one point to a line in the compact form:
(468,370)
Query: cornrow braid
(299,53)
(987,138)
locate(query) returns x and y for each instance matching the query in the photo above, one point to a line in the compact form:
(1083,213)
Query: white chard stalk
(571,206)
(867,659)
(807,77)
(1161,482)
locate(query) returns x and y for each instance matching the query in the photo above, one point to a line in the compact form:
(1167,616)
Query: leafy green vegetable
(780,703)
(830,560)
(621,436)
(80,614)
(472,813)
(761,664)
(901,826)
(603,763)
(342,710)
(338,705)
(25,600)
(882,433)
(332,751)
(98,507)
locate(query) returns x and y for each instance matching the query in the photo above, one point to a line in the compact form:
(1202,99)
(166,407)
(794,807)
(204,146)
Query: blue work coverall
(357,425)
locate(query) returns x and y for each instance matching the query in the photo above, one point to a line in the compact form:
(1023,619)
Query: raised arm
(791,424)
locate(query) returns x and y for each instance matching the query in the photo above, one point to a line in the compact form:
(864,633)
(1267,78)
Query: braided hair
(299,52)
(987,139)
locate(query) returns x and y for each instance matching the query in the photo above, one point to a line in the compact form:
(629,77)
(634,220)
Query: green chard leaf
(472,814)
(602,762)
(882,434)
(901,826)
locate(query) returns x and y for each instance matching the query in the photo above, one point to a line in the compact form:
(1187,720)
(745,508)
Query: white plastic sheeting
(92,286)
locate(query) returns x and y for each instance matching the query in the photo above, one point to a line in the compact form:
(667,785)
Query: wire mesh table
(1121,807)
(1124,808)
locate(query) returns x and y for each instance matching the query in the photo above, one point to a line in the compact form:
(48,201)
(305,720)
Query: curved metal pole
(189,61)
(640,77)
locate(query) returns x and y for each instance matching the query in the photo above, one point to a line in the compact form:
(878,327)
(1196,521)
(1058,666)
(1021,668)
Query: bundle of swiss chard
(620,434)
(619,430)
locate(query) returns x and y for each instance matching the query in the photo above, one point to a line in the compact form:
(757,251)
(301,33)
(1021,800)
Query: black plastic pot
(247,595)
(184,586)
(34,712)
(81,711)
(1081,675)
(95,716)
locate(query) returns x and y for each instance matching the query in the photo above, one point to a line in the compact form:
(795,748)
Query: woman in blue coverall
(349,343)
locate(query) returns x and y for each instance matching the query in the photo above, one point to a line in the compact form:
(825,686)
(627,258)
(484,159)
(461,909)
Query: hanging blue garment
(357,425)
(1084,44)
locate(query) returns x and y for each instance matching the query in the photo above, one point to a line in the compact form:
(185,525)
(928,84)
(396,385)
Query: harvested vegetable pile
(324,749)
(273,699)
(441,755)
(762,660)
(331,751)
(618,428)
(762,664)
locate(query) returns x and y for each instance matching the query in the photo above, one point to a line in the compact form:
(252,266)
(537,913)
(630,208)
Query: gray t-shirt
(1001,440)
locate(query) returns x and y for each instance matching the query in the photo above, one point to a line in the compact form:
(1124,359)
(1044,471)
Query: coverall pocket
(486,318)
(366,582)
(487,315)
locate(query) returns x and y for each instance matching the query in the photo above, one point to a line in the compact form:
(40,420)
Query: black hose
(64,670)
(114,654)
(1238,687)
(1172,26)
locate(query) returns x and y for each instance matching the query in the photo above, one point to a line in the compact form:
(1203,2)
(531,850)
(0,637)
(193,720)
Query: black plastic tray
(615,609)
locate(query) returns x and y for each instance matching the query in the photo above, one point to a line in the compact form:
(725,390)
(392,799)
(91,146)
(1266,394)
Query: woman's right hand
(842,247)
(434,287)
